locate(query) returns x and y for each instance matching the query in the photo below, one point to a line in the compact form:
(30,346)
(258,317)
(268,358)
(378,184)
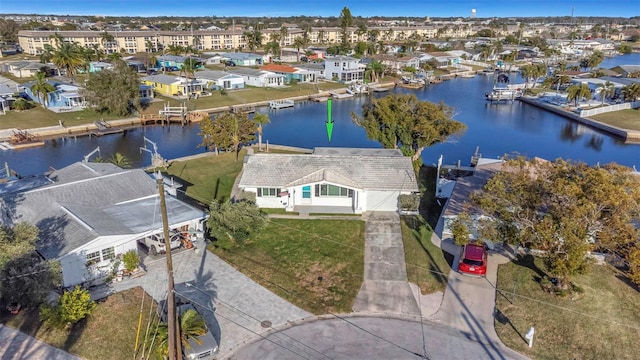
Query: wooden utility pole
(175,347)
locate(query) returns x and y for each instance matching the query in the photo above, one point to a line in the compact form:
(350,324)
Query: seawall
(628,136)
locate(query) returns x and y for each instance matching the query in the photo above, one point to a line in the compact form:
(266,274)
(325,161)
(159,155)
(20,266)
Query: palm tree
(298,43)
(120,160)
(321,36)
(68,56)
(375,69)
(283,35)
(272,47)
(577,92)
(606,90)
(631,92)
(595,59)
(42,88)
(106,39)
(191,325)
(47,53)
(260,119)
(57,39)
(174,49)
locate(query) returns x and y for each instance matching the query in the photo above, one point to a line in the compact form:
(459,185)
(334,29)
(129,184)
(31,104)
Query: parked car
(229,63)
(473,259)
(203,347)
(155,243)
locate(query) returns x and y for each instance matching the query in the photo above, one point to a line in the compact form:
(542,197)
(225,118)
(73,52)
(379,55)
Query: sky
(364,8)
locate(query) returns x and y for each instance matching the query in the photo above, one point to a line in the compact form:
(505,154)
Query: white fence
(606,109)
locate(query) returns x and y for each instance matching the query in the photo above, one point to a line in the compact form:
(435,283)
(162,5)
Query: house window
(332,190)
(268,192)
(306,192)
(108,254)
(93,257)
(336,64)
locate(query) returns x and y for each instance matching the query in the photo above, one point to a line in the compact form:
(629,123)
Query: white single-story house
(23,68)
(259,78)
(216,79)
(90,213)
(330,180)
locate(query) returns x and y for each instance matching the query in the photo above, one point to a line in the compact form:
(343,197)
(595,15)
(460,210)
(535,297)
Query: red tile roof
(279,68)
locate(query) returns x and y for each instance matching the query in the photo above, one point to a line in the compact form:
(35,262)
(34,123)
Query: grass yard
(603,322)
(41,117)
(625,119)
(109,333)
(426,264)
(208,177)
(317,265)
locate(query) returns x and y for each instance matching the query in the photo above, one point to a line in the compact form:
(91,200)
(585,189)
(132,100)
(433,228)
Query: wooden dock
(243,109)
(104,128)
(281,104)
(336,95)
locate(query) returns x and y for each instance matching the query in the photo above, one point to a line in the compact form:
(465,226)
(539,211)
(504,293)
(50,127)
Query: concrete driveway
(15,345)
(385,288)
(469,302)
(235,307)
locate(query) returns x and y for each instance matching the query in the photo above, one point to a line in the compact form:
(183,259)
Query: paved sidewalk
(236,308)
(385,288)
(15,345)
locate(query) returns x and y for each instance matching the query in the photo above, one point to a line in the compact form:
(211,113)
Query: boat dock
(335,95)
(281,104)
(104,128)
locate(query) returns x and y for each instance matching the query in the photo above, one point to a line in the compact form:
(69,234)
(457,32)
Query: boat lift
(156,160)
(86,157)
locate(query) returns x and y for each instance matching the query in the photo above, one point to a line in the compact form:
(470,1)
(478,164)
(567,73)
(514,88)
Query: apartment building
(136,41)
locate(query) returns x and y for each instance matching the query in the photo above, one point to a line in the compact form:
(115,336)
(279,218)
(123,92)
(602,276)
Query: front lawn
(624,119)
(599,323)
(108,333)
(210,177)
(317,265)
(426,264)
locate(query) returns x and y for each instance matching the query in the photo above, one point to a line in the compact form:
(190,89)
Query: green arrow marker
(329,121)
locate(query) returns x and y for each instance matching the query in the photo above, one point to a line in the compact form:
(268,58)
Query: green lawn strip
(332,214)
(317,265)
(624,119)
(600,323)
(208,177)
(279,211)
(108,333)
(40,117)
(426,265)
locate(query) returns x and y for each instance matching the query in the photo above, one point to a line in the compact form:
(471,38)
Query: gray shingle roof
(212,74)
(87,203)
(161,79)
(364,171)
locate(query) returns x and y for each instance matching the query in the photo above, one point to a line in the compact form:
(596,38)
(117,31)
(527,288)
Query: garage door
(382,200)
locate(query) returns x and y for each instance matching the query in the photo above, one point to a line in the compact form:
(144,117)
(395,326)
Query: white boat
(357,88)
(503,94)
(280,104)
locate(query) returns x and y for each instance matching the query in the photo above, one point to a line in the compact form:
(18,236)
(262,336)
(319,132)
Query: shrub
(130,260)
(22,104)
(409,202)
(72,307)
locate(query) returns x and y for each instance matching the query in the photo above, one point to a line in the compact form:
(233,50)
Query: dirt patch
(324,283)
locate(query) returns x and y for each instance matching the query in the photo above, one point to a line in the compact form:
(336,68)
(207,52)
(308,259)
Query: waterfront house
(259,78)
(66,97)
(23,68)
(89,214)
(171,61)
(216,80)
(343,68)
(96,66)
(316,69)
(340,180)
(244,59)
(626,70)
(146,93)
(291,73)
(170,85)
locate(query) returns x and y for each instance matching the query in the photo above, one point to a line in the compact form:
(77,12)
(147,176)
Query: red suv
(473,260)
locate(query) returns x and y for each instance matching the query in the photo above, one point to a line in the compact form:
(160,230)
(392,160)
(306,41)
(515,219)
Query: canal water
(496,129)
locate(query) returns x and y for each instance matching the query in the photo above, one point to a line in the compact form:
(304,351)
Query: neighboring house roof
(279,68)
(465,186)
(214,75)
(174,58)
(357,168)
(86,201)
(311,67)
(162,79)
(253,72)
(341,58)
(26,65)
(7,89)
(241,56)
